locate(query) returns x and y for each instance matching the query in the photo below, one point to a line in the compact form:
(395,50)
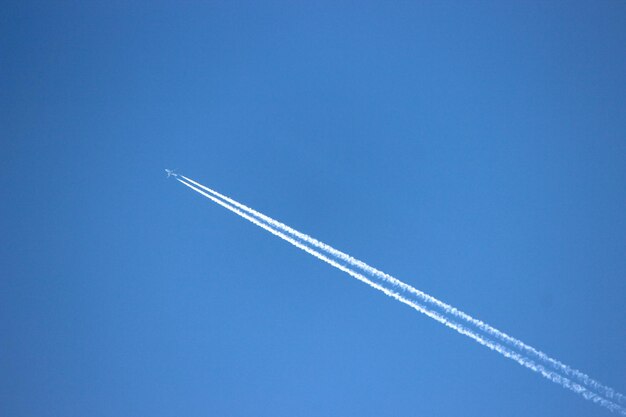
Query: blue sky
(474,150)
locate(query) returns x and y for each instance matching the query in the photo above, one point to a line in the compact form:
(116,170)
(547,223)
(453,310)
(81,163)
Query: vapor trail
(506,352)
(428,299)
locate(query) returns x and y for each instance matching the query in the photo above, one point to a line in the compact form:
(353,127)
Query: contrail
(524,361)
(428,299)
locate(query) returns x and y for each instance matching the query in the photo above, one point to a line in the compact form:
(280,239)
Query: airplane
(171,172)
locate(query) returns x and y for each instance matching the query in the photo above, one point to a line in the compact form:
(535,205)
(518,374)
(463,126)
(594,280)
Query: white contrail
(428,299)
(559,379)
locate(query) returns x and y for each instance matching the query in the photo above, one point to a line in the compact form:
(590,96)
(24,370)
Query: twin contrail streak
(429,300)
(426,304)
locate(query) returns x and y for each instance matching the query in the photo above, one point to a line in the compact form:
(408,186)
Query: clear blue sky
(476,150)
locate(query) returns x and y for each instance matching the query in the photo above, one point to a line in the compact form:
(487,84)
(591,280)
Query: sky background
(475,150)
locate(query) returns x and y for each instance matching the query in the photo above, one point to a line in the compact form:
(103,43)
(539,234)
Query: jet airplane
(171,173)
